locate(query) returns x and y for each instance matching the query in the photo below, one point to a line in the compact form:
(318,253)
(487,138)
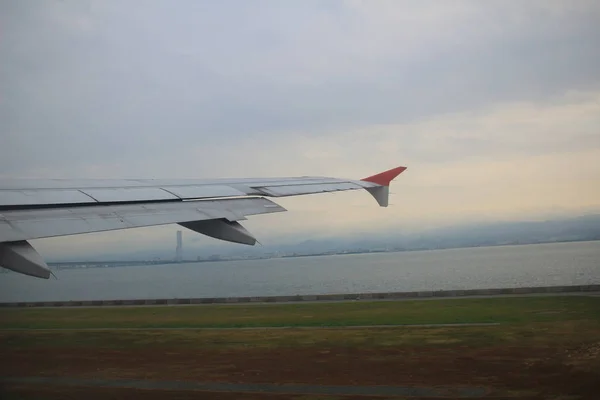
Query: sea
(574,263)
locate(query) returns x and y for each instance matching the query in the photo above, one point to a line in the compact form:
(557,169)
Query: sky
(494,106)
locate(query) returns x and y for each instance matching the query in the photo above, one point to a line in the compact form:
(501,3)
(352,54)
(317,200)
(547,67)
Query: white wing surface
(35,208)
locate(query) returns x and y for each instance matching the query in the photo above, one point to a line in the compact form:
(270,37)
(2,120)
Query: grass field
(543,348)
(482,310)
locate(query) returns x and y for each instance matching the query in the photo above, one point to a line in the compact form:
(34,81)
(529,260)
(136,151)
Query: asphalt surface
(296,389)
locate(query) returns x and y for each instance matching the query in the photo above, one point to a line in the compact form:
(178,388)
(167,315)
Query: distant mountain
(561,230)
(581,228)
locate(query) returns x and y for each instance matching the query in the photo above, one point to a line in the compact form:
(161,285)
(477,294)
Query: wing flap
(35,224)
(39,197)
(203,191)
(294,190)
(123,195)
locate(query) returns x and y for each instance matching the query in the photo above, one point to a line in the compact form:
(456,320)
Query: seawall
(319,297)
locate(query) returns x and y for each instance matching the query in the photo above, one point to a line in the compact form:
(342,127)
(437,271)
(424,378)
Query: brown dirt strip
(549,360)
(502,369)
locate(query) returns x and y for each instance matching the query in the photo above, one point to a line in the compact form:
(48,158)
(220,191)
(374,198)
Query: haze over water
(469,268)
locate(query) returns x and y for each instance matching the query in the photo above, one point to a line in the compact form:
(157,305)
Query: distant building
(179,248)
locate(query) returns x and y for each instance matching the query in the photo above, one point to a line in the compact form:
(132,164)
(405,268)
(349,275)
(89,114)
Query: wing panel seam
(168,191)
(90,196)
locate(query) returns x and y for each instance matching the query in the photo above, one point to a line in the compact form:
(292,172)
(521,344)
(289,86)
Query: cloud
(102,82)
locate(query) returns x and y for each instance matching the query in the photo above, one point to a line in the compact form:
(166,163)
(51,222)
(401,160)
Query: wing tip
(384,178)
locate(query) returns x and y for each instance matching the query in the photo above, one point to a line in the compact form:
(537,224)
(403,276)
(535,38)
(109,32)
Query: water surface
(575,263)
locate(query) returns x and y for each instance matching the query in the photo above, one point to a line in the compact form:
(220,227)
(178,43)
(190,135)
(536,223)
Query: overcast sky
(494,106)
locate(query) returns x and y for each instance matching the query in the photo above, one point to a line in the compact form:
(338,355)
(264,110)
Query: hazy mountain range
(582,228)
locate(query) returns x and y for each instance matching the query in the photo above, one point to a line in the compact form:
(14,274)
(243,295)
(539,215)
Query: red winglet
(386,177)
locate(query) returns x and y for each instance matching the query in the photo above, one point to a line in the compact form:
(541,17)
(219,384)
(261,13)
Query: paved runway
(295,389)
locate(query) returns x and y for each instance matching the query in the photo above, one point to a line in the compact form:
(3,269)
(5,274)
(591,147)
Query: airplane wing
(34,209)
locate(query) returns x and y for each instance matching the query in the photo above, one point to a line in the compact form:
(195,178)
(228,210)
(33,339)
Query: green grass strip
(513,310)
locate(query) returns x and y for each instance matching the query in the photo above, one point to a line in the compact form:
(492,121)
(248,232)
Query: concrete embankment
(320,297)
